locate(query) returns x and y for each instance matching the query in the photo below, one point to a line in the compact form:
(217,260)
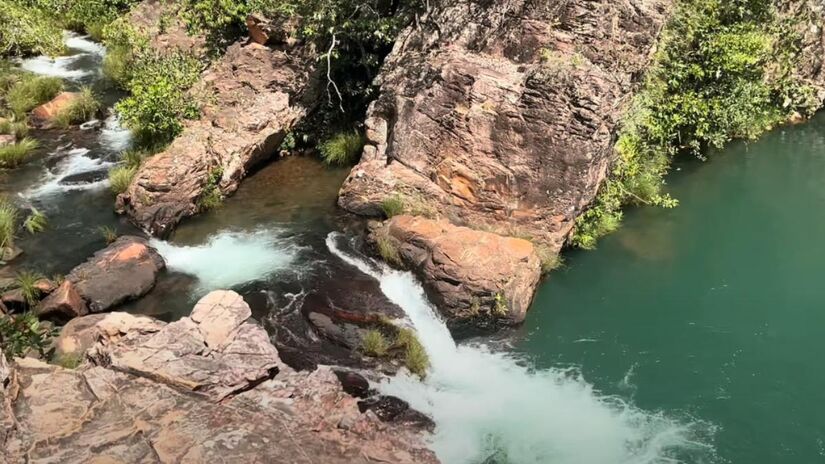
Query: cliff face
(500,115)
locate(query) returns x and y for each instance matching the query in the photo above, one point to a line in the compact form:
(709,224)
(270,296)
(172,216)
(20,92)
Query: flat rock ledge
(472,276)
(208,388)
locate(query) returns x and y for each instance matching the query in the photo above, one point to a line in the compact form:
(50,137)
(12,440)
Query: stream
(689,336)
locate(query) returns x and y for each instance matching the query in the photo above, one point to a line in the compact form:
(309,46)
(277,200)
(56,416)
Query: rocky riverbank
(210,386)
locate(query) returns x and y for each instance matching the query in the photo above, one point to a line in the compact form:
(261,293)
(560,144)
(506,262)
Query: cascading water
(230,258)
(490,408)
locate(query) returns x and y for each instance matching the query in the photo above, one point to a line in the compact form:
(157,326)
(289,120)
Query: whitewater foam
(489,408)
(230,258)
(113,136)
(61,66)
(72,162)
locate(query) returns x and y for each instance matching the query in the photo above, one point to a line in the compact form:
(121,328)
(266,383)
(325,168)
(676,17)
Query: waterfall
(489,408)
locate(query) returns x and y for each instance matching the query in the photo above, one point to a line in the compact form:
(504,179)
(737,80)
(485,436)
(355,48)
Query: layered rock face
(470,275)
(151,396)
(256,94)
(501,114)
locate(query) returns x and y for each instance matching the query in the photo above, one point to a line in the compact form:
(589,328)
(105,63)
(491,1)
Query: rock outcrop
(44,113)
(103,412)
(64,304)
(470,275)
(125,270)
(501,114)
(257,94)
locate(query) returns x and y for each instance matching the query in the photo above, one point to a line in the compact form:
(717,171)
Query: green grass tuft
(19,129)
(81,109)
(26,281)
(108,233)
(31,91)
(415,356)
(120,177)
(388,250)
(374,343)
(15,154)
(393,206)
(342,149)
(8,223)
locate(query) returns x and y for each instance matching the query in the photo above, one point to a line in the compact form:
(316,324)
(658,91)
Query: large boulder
(258,94)
(216,351)
(47,111)
(63,304)
(125,270)
(77,336)
(471,276)
(500,115)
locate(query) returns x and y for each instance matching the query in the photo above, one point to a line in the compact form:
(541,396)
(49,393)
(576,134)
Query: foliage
(81,109)
(388,249)
(19,334)
(15,154)
(27,281)
(724,70)
(415,356)
(120,177)
(28,91)
(19,129)
(36,222)
(393,206)
(108,233)
(550,260)
(133,158)
(211,197)
(8,223)
(374,343)
(501,308)
(343,149)
(28,29)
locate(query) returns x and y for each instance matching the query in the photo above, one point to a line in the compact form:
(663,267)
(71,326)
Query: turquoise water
(713,311)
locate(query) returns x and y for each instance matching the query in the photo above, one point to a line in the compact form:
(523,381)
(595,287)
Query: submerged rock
(470,275)
(259,94)
(125,270)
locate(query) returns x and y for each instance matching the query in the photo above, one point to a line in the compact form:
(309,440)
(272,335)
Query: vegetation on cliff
(724,71)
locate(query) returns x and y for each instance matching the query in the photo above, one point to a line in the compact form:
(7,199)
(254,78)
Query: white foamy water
(230,258)
(113,136)
(489,408)
(72,162)
(62,66)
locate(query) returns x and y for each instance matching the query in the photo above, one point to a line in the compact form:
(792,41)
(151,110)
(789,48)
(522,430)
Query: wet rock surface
(471,276)
(103,412)
(125,270)
(258,94)
(501,114)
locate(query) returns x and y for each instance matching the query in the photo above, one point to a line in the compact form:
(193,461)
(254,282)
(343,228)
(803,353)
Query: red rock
(471,275)
(63,304)
(47,111)
(6,139)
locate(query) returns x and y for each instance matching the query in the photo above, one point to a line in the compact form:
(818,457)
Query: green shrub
(211,197)
(19,334)
(117,63)
(393,206)
(342,149)
(8,223)
(120,177)
(710,84)
(30,91)
(26,281)
(374,343)
(28,30)
(501,307)
(133,158)
(81,109)
(15,154)
(159,100)
(108,233)
(36,222)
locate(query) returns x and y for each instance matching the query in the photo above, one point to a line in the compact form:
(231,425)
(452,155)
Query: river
(689,336)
